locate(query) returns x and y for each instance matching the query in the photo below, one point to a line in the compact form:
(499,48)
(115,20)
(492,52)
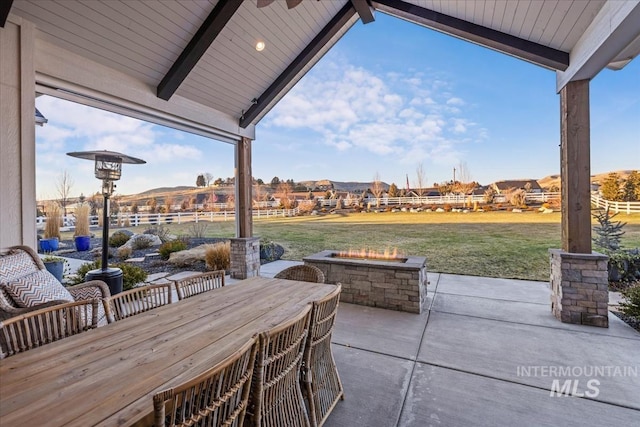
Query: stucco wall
(17,134)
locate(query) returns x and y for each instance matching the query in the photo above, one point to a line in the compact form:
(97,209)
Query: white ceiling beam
(614,28)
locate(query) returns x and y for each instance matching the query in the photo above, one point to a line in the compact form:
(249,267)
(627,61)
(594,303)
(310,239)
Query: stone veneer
(245,257)
(579,288)
(399,285)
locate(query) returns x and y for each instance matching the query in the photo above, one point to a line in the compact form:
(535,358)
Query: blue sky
(389,96)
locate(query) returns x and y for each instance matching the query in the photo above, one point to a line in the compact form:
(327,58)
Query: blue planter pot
(56,268)
(83,243)
(49,245)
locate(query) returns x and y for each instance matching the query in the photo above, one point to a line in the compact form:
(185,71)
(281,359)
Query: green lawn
(494,244)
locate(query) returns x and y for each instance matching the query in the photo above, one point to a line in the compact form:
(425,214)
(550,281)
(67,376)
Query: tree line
(616,189)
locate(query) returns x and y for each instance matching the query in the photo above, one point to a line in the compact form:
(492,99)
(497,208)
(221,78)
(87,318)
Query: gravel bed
(634,322)
(152,265)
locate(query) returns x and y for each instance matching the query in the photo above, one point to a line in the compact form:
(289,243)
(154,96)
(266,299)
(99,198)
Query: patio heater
(108,168)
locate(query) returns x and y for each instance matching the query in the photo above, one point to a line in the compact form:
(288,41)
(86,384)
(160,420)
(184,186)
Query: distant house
(530,185)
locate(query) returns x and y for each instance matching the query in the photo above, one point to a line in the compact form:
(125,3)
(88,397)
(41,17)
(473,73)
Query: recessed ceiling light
(260,46)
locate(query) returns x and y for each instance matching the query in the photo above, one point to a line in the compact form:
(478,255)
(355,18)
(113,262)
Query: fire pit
(386,281)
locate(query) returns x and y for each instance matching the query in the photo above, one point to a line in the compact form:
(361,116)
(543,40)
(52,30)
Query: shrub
(517,197)
(131,275)
(161,231)
(82,220)
(218,256)
(54,219)
(167,248)
(631,305)
(447,207)
(198,229)
(624,265)
(608,232)
(142,242)
(118,239)
(124,253)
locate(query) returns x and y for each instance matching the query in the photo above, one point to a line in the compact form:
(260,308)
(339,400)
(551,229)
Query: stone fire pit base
(397,285)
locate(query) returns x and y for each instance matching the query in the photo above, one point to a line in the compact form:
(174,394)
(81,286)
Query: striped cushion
(91,292)
(15,265)
(37,288)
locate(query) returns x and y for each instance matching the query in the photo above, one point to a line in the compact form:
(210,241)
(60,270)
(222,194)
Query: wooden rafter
(5,7)
(364,9)
(308,53)
(524,49)
(206,34)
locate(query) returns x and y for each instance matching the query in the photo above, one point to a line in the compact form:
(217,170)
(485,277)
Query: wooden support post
(244,220)
(575,167)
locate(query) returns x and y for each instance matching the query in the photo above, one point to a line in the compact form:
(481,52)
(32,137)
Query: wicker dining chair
(136,301)
(321,383)
(195,285)
(39,327)
(276,397)
(218,397)
(303,273)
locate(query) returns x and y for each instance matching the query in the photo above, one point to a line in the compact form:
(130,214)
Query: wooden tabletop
(109,375)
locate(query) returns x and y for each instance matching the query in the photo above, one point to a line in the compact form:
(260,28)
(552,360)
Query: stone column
(579,288)
(245,249)
(245,257)
(579,278)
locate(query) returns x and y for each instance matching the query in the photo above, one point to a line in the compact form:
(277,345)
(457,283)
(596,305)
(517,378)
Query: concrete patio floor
(464,361)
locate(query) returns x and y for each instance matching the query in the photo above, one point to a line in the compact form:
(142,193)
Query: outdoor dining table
(108,376)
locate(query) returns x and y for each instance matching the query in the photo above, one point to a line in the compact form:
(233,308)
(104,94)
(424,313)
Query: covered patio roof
(186,57)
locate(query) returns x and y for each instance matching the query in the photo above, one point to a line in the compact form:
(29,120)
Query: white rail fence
(438,200)
(617,207)
(133,220)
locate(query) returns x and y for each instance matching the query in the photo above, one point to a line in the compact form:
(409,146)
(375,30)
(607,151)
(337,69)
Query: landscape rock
(271,251)
(137,241)
(439,210)
(189,256)
(516,210)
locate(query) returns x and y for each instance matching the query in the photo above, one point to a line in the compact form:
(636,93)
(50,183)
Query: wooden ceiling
(205,50)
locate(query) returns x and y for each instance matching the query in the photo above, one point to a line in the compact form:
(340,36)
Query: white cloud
(459,125)
(455,101)
(412,116)
(75,127)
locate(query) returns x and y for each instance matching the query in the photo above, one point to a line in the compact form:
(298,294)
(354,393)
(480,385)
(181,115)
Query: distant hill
(351,186)
(551,180)
(166,190)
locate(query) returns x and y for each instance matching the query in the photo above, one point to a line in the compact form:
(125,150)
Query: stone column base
(245,257)
(579,288)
